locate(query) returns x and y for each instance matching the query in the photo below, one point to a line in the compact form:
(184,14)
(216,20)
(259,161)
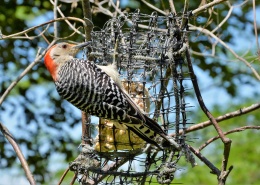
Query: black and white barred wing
(90,89)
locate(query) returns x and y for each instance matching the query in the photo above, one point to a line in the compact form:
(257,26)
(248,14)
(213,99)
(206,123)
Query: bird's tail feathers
(150,123)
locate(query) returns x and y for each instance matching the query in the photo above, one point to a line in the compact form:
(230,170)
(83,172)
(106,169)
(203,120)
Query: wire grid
(148,52)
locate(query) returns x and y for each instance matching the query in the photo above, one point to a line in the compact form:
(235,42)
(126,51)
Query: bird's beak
(75,48)
(82,45)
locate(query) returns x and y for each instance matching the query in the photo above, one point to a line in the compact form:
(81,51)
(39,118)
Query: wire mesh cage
(147,51)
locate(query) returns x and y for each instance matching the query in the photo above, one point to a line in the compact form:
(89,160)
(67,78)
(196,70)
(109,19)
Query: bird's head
(59,54)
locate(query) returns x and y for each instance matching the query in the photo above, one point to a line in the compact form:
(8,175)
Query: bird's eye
(64,46)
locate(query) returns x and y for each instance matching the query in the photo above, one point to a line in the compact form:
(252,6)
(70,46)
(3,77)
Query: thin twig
(240,129)
(63,16)
(19,154)
(200,99)
(213,54)
(74,179)
(207,32)
(12,85)
(224,20)
(88,19)
(41,34)
(101,9)
(255,27)
(55,25)
(227,142)
(184,14)
(63,176)
(224,117)
(214,169)
(116,7)
(206,6)
(223,176)
(43,24)
(153,7)
(86,131)
(173,10)
(148,27)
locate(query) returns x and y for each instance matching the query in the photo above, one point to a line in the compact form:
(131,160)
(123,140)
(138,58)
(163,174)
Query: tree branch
(63,176)
(88,26)
(207,32)
(55,25)
(19,153)
(224,20)
(12,85)
(173,10)
(200,99)
(63,16)
(3,37)
(240,129)
(153,7)
(86,131)
(206,6)
(214,169)
(225,140)
(224,117)
(255,29)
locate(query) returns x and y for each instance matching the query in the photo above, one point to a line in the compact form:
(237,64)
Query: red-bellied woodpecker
(97,90)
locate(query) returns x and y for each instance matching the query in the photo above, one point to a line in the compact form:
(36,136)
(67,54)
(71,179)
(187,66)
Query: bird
(97,90)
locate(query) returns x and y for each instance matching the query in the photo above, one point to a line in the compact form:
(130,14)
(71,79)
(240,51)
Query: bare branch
(173,10)
(255,27)
(223,176)
(88,19)
(55,25)
(240,129)
(101,9)
(42,34)
(38,26)
(200,99)
(226,141)
(19,153)
(12,85)
(207,32)
(224,117)
(224,20)
(116,7)
(153,7)
(206,6)
(63,176)
(213,54)
(74,179)
(214,169)
(85,121)
(70,25)
(185,17)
